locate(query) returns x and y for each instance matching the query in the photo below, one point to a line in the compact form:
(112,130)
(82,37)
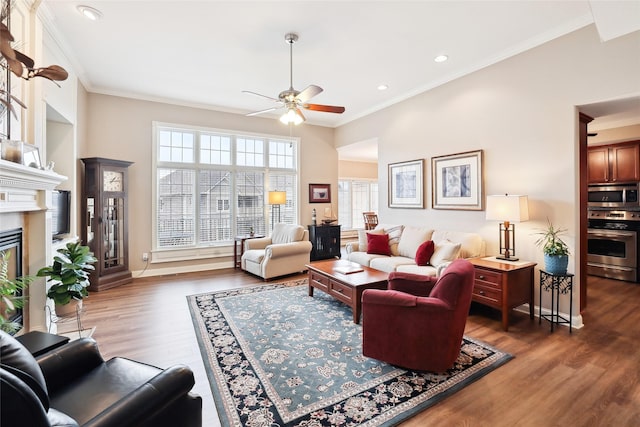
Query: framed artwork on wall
(319,193)
(405,184)
(457,181)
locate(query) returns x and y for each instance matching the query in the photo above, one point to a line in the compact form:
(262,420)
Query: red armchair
(418,323)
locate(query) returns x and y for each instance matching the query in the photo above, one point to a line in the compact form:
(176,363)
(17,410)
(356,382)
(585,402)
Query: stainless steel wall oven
(612,244)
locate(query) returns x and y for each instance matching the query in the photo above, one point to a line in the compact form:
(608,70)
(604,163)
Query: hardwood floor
(588,378)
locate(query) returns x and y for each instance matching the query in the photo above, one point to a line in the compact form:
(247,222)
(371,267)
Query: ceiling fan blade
(308,93)
(324,108)
(255,113)
(261,95)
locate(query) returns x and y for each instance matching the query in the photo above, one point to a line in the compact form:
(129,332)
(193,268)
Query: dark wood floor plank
(590,377)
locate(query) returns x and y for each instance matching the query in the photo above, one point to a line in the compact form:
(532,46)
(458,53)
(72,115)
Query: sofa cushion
(424,253)
(389,264)
(411,239)
(445,250)
(426,270)
(378,244)
(472,244)
(364,258)
(362,238)
(285,233)
(254,255)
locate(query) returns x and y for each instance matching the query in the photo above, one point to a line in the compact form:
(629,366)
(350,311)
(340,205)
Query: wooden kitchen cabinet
(614,163)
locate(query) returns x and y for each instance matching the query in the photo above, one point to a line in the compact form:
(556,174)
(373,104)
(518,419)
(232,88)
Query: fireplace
(11,245)
(25,203)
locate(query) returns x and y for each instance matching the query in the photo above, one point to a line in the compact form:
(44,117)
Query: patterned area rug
(277,357)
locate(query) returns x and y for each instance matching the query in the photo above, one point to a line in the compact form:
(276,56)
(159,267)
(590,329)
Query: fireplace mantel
(23,188)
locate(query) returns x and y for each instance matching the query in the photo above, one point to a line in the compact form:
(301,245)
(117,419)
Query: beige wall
(351,169)
(120,128)
(608,136)
(522,113)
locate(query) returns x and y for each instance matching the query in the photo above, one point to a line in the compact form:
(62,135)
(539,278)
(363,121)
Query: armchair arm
(400,299)
(411,283)
(259,243)
(69,362)
(279,250)
(352,247)
(147,400)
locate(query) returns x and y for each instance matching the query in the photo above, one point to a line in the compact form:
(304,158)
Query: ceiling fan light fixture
(293,115)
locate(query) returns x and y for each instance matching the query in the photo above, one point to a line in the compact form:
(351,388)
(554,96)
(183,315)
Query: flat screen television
(61,213)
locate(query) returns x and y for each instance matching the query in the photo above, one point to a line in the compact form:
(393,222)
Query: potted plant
(556,251)
(10,299)
(69,276)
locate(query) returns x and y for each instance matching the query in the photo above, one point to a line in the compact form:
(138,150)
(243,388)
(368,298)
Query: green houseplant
(555,250)
(69,275)
(10,298)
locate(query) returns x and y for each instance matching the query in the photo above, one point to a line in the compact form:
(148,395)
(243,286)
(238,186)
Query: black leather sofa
(74,386)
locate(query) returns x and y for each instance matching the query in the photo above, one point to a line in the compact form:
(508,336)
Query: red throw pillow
(378,244)
(424,252)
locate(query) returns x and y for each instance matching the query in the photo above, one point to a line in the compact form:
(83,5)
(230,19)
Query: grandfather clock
(105,225)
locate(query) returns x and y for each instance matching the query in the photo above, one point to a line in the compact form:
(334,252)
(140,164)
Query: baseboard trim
(184,269)
(576,319)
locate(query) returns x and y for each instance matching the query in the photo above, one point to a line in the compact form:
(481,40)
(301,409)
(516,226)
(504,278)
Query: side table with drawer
(503,285)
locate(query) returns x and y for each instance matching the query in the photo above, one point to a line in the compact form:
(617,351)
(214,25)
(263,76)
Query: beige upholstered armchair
(285,252)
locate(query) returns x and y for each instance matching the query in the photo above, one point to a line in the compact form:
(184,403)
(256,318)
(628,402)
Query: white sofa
(287,251)
(404,242)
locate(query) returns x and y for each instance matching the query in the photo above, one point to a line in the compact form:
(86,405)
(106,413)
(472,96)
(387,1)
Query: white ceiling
(204,53)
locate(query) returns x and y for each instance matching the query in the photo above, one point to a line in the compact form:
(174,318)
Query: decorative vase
(556,264)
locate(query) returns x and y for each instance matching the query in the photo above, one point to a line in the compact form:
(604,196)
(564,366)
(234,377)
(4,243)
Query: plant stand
(69,325)
(557,284)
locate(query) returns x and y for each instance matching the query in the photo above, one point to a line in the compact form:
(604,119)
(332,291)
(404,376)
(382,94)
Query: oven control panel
(614,215)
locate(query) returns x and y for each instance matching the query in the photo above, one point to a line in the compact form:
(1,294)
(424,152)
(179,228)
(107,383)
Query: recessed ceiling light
(90,12)
(383,87)
(441,58)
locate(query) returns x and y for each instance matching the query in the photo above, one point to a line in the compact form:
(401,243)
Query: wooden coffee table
(347,288)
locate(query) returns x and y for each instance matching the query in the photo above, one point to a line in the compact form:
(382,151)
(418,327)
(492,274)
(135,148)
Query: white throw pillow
(445,250)
(411,239)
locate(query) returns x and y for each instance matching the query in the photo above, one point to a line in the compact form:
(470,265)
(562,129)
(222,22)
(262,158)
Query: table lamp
(508,209)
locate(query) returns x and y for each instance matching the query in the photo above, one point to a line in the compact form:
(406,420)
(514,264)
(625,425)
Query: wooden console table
(503,285)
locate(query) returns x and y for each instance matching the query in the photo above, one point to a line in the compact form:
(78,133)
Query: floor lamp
(276,198)
(508,209)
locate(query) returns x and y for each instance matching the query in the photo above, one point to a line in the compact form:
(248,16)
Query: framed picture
(31,156)
(457,181)
(405,184)
(319,193)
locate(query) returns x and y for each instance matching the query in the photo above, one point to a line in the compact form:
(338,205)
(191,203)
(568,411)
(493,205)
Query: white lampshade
(512,208)
(277,197)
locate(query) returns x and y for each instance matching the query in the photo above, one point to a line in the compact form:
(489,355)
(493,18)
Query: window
(211,185)
(355,197)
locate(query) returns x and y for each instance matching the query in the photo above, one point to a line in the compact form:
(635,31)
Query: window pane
(250,152)
(251,200)
(175,146)
(213,151)
(176,212)
(344,204)
(284,182)
(281,154)
(214,191)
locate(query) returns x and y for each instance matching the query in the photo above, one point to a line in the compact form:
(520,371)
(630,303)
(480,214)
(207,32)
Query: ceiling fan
(293,100)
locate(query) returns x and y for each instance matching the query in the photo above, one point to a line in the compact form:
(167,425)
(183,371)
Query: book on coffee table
(349,269)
